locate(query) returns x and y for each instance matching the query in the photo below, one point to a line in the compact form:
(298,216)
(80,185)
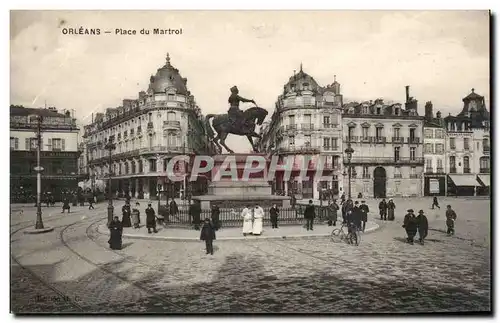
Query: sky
(442,55)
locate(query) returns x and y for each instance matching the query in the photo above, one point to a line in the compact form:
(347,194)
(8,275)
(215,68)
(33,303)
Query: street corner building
(59,152)
(147,132)
(306,124)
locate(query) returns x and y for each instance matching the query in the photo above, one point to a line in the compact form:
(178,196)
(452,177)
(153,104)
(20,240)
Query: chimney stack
(407,93)
(429,115)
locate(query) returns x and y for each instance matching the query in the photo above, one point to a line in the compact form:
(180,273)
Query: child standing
(208,234)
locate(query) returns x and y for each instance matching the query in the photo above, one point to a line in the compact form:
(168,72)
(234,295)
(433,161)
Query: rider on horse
(235,114)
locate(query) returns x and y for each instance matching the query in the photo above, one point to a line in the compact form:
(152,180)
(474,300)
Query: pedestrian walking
(451,216)
(435,203)
(126,223)
(357,215)
(91,202)
(309,215)
(390,210)
(332,213)
(342,199)
(136,217)
(151,219)
(246,214)
(66,205)
(364,214)
(208,235)
(195,213)
(115,234)
(410,225)
(273,214)
(215,217)
(382,206)
(423,226)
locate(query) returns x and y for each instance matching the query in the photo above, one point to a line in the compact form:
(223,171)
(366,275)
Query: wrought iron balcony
(466,148)
(378,140)
(150,125)
(398,176)
(486,150)
(291,127)
(352,139)
(466,170)
(484,170)
(385,160)
(414,175)
(172,124)
(429,170)
(453,170)
(330,148)
(398,140)
(440,170)
(307,126)
(413,140)
(330,125)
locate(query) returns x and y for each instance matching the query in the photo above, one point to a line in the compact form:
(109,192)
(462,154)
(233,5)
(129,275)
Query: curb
(248,238)
(38,231)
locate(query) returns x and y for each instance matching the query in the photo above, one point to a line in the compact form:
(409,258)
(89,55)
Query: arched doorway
(379,182)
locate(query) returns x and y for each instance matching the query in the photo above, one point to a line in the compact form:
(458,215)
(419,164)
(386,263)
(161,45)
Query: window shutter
(50,144)
(63,144)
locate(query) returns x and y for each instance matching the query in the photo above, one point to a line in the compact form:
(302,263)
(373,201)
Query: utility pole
(39,169)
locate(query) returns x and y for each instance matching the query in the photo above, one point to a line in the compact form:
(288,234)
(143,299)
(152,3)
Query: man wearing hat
(235,114)
(410,225)
(423,226)
(357,215)
(451,216)
(151,219)
(364,214)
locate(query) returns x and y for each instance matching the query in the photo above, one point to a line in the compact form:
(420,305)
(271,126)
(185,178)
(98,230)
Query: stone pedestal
(238,192)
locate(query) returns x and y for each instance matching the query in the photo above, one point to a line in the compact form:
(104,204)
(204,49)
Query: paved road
(73,270)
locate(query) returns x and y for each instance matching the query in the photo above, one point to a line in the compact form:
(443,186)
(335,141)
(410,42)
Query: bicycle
(339,235)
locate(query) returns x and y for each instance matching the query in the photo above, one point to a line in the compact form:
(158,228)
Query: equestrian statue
(237,122)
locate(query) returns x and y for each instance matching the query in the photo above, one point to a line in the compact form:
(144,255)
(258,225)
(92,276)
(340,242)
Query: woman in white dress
(246,214)
(258,217)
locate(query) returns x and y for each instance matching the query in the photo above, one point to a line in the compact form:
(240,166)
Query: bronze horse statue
(223,125)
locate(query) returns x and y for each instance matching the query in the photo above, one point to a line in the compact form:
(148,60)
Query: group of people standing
(386,210)
(253,219)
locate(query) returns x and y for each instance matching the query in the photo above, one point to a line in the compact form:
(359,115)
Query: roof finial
(168,59)
(335,78)
(301,66)
(472,90)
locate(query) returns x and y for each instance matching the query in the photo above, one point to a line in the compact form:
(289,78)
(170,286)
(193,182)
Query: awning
(464,180)
(484,179)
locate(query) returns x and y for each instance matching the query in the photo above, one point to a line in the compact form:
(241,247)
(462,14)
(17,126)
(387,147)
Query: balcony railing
(307,126)
(414,175)
(466,148)
(484,170)
(378,140)
(453,147)
(466,170)
(352,139)
(291,127)
(398,140)
(365,176)
(330,148)
(330,125)
(429,170)
(171,124)
(302,149)
(385,160)
(453,170)
(398,176)
(365,139)
(413,140)
(440,170)
(486,150)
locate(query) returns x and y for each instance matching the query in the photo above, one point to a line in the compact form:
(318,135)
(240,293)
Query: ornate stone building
(468,148)
(387,142)
(59,151)
(306,122)
(435,138)
(148,131)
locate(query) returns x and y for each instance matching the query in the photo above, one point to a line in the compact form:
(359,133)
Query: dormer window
(379,110)
(397,111)
(350,111)
(365,110)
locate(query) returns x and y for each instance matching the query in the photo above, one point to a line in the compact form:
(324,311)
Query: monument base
(239,201)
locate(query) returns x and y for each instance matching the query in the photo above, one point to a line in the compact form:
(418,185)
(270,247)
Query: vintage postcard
(187,162)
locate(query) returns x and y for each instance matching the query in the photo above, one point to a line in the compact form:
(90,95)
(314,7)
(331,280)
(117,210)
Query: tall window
(439,133)
(440,165)
(365,132)
(428,148)
(307,140)
(486,144)
(152,165)
(484,164)
(350,133)
(397,172)
(413,171)
(379,132)
(452,163)
(14,143)
(452,143)
(336,161)
(291,140)
(466,164)
(307,118)
(412,153)
(140,166)
(428,165)
(428,133)
(326,120)
(412,134)
(291,119)
(366,173)
(466,144)
(439,148)
(335,144)
(133,167)
(396,153)
(326,143)
(172,140)
(396,132)
(171,116)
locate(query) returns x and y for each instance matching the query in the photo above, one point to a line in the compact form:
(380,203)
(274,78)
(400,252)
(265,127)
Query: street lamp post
(349,151)
(39,169)
(110,146)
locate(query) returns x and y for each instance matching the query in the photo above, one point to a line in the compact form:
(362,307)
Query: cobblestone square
(73,270)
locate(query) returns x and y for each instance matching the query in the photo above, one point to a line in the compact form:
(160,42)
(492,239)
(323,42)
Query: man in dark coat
(451,216)
(390,210)
(435,203)
(115,234)
(273,215)
(208,235)
(195,213)
(309,215)
(357,215)
(151,219)
(215,217)
(347,206)
(126,212)
(423,226)
(342,199)
(66,205)
(332,213)
(90,199)
(382,206)
(410,225)
(364,214)
(173,208)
